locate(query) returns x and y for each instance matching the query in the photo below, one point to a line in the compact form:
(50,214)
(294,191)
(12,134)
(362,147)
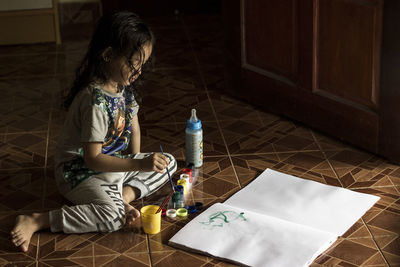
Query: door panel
(347,46)
(269,32)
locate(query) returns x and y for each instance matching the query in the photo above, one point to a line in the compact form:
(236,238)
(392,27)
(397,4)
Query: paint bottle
(189,172)
(177,201)
(179,188)
(194,141)
(185,176)
(183,183)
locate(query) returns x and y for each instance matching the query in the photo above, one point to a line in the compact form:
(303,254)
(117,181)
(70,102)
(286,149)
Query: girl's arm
(134,146)
(97,161)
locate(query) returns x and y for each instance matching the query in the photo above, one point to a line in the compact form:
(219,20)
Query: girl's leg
(139,184)
(99,206)
(130,194)
(148,182)
(25,226)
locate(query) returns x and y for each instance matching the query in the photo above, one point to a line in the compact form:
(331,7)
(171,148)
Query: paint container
(184,185)
(177,201)
(171,213)
(189,172)
(151,221)
(182,213)
(191,209)
(179,188)
(186,177)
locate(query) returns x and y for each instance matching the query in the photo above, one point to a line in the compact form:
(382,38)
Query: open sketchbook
(276,220)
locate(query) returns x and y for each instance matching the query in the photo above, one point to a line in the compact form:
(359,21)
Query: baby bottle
(194,141)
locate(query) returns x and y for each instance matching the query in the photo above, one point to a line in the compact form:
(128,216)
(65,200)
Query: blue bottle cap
(191,209)
(193,125)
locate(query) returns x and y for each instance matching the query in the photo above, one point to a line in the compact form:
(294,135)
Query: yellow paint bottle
(184,184)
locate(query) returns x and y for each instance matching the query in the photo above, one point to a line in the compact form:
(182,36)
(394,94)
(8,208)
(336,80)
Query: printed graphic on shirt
(120,120)
(116,141)
(75,171)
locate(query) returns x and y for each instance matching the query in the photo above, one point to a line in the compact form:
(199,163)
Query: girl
(102,121)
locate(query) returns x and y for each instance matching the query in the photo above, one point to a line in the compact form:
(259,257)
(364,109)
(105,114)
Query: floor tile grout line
(37,249)
(277,152)
(56,62)
(147,241)
(209,99)
(45,178)
(45,160)
(13,105)
(369,187)
(376,244)
(326,158)
(260,119)
(385,209)
(184,122)
(94,256)
(395,187)
(337,176)
(149,249)
(263,153)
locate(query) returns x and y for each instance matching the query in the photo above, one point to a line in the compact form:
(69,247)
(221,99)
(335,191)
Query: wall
(78,18)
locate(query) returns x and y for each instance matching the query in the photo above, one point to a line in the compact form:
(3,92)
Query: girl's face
(123,68)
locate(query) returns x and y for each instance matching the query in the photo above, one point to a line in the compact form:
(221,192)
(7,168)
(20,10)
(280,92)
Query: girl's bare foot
(131,214)
(129,194)
(25,226)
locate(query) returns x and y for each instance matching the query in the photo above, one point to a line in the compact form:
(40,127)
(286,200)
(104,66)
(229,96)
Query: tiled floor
(240,142)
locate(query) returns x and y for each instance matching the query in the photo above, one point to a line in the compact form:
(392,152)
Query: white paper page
(252,239)
(328,208)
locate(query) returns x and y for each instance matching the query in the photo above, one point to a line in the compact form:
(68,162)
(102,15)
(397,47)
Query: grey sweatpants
(98,199)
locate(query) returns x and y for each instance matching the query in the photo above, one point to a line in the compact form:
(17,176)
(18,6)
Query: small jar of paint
(184,185)
(189,172)
(177,201)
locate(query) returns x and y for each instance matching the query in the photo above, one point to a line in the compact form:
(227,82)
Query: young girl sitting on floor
(102,121)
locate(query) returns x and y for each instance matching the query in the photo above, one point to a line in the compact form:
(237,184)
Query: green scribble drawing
(220,218)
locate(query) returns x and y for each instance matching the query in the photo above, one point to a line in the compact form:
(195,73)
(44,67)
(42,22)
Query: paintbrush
(164,203)
(169,176)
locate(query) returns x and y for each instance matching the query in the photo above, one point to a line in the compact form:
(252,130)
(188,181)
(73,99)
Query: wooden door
(320,62)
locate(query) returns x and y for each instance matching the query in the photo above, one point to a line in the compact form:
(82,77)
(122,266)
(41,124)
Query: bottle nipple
(193,117)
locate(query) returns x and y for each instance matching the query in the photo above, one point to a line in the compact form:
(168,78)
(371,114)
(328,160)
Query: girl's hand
(156,162)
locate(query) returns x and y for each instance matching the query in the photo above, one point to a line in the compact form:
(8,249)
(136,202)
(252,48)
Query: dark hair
(126,34)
